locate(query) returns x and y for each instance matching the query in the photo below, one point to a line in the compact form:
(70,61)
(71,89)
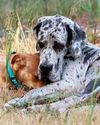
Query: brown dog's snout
(45,68)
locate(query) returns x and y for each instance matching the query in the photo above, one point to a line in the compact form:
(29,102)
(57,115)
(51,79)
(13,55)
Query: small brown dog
(24,67)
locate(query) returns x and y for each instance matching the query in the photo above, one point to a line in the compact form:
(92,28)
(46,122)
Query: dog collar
(11,75)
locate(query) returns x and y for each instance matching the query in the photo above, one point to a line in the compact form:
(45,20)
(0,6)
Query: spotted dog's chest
(75,70)
(84,69)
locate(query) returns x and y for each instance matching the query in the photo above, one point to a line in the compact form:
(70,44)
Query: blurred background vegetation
(23,14)
(29,10)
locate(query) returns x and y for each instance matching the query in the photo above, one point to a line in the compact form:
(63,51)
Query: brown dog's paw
(19,93)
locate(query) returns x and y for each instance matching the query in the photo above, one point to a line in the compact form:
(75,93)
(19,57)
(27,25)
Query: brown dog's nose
(45,68)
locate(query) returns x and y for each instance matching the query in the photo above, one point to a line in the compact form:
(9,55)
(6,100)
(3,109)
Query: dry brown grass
(75,116)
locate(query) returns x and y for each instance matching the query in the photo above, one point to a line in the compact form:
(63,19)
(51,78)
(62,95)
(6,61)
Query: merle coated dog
(67,60)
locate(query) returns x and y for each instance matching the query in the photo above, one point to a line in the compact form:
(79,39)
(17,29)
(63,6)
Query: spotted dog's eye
(41,45)
(58,46)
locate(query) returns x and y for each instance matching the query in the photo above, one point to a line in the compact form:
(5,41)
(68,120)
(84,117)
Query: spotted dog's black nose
(45,68)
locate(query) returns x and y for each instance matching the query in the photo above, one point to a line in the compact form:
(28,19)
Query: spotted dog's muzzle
(50,67)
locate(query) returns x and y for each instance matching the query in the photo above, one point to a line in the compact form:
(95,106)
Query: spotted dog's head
(56,35)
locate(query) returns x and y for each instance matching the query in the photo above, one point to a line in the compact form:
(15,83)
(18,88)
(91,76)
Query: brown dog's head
(25,68)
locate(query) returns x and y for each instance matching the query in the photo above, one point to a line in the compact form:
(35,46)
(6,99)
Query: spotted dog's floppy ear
(36,28)
(75,41)
(36,31)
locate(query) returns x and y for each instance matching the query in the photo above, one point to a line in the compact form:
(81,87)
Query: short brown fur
(24,67)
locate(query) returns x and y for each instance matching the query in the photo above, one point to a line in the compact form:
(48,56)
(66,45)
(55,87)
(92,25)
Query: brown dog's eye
(58,46)
(41,45)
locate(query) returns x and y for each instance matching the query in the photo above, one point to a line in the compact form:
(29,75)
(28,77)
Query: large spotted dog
(67,61)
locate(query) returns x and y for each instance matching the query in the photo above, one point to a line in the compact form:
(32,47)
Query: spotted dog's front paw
(12,103)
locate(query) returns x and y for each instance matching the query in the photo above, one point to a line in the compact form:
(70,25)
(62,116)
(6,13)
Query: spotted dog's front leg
(61,105)
(65,104)
(30,97)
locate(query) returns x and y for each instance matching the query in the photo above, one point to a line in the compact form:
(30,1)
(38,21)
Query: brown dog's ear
(17,61)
